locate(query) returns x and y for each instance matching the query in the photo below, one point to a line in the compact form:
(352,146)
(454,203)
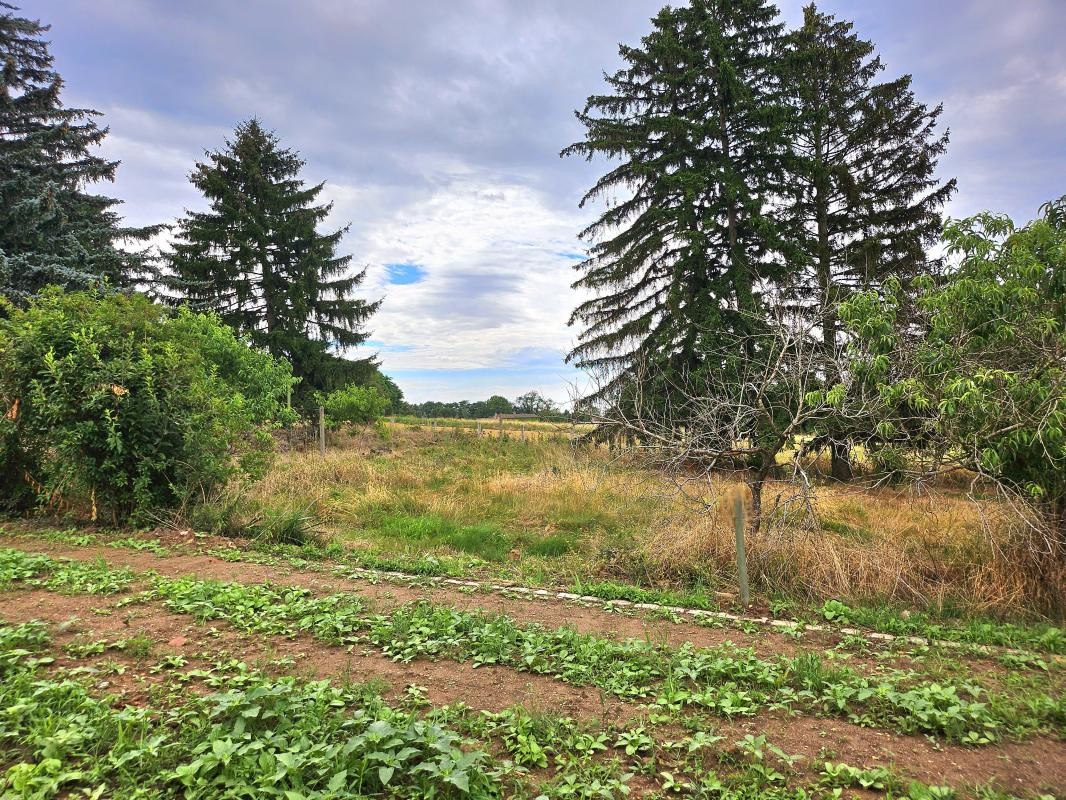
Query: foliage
(533,402)
(112,403)
(257,259)
(697,121)
(862,183)
(251,736)
(462,409)
(724,680)
(975,377)
(353,405)
(388,388)
(52,230)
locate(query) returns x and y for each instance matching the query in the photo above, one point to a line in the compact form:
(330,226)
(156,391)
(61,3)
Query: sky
(437,127)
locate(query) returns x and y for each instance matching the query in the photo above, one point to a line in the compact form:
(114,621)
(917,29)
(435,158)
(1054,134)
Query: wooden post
(479,429)
(501,425)
(742,559)
(322,431)
(522,432)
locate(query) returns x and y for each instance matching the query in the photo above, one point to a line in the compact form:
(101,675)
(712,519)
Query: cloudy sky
(437,126)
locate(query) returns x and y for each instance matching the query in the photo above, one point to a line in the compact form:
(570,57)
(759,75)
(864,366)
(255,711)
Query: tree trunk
(840,458)
(839,451)
(755,521)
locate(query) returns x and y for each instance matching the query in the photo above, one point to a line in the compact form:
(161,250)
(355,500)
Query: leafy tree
(257,259)
(863,194)
(388,389)
(978,378)
(497,404)
(533,402)
(113,405)
(52,230)
(697,121)
(354,405)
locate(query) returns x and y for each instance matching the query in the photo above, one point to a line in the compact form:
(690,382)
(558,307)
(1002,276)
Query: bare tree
(750,411)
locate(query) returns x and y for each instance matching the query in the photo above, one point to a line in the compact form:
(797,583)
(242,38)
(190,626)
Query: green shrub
(112,403)
(354,405)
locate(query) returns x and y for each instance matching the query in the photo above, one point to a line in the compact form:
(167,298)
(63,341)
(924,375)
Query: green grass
(697,597)
(408,534)
(1042,637)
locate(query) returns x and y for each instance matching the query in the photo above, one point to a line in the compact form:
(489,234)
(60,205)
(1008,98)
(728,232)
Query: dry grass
(932,549)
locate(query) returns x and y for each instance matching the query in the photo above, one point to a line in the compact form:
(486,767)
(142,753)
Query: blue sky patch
(402,274)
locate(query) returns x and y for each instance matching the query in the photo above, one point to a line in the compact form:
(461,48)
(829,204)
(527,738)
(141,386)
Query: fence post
(479,429)
(322,431)
(522,433)
(501,425)
(742,558)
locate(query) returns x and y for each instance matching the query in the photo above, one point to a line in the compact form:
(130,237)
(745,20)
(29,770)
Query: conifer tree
(864,199)
(52,229)
(696,120)
(257,259)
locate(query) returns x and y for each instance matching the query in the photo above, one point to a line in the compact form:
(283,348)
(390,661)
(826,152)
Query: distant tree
(533,402)
(982,367)
(256,258)
(52,230)
(698,125)
(498,405)
(863,195)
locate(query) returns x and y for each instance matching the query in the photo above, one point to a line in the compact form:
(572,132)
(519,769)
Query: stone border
(781,624)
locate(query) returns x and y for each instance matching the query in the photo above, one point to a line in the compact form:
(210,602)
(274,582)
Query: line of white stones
(587,600)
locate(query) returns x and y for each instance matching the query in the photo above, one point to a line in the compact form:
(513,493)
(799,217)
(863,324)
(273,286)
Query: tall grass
(562,513)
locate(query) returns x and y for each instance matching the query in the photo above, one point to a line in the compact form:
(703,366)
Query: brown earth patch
(549,612)
(487,688)
(1037,765)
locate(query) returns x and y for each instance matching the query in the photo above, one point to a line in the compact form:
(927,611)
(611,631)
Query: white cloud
(495,280)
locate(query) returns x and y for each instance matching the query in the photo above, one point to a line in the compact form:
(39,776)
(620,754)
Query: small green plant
(634,742)
(844,776)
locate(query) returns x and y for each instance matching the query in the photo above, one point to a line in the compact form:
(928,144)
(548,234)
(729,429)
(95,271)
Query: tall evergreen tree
(696,119)
(52,230)
(257,259)
(864,199)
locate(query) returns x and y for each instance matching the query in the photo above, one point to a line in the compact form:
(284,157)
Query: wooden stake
(742,559)
(322,431)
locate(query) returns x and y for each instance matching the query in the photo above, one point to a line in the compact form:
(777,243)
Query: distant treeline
(529,403)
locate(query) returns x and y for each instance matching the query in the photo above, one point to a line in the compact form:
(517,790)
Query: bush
(354,405)
(112,404)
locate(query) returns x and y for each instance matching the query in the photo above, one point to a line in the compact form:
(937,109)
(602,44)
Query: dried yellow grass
(928,548)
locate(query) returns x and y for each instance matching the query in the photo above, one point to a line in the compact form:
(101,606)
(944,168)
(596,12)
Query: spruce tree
(696,121)
(52,230)
(257,259)
(864,200)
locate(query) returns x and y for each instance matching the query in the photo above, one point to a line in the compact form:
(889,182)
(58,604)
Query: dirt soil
(549,612)
(1038,765)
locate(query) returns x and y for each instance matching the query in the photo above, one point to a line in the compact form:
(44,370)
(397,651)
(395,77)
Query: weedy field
(378,633)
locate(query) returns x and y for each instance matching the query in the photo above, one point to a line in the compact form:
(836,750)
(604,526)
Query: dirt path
(1036,765)
(545,611)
